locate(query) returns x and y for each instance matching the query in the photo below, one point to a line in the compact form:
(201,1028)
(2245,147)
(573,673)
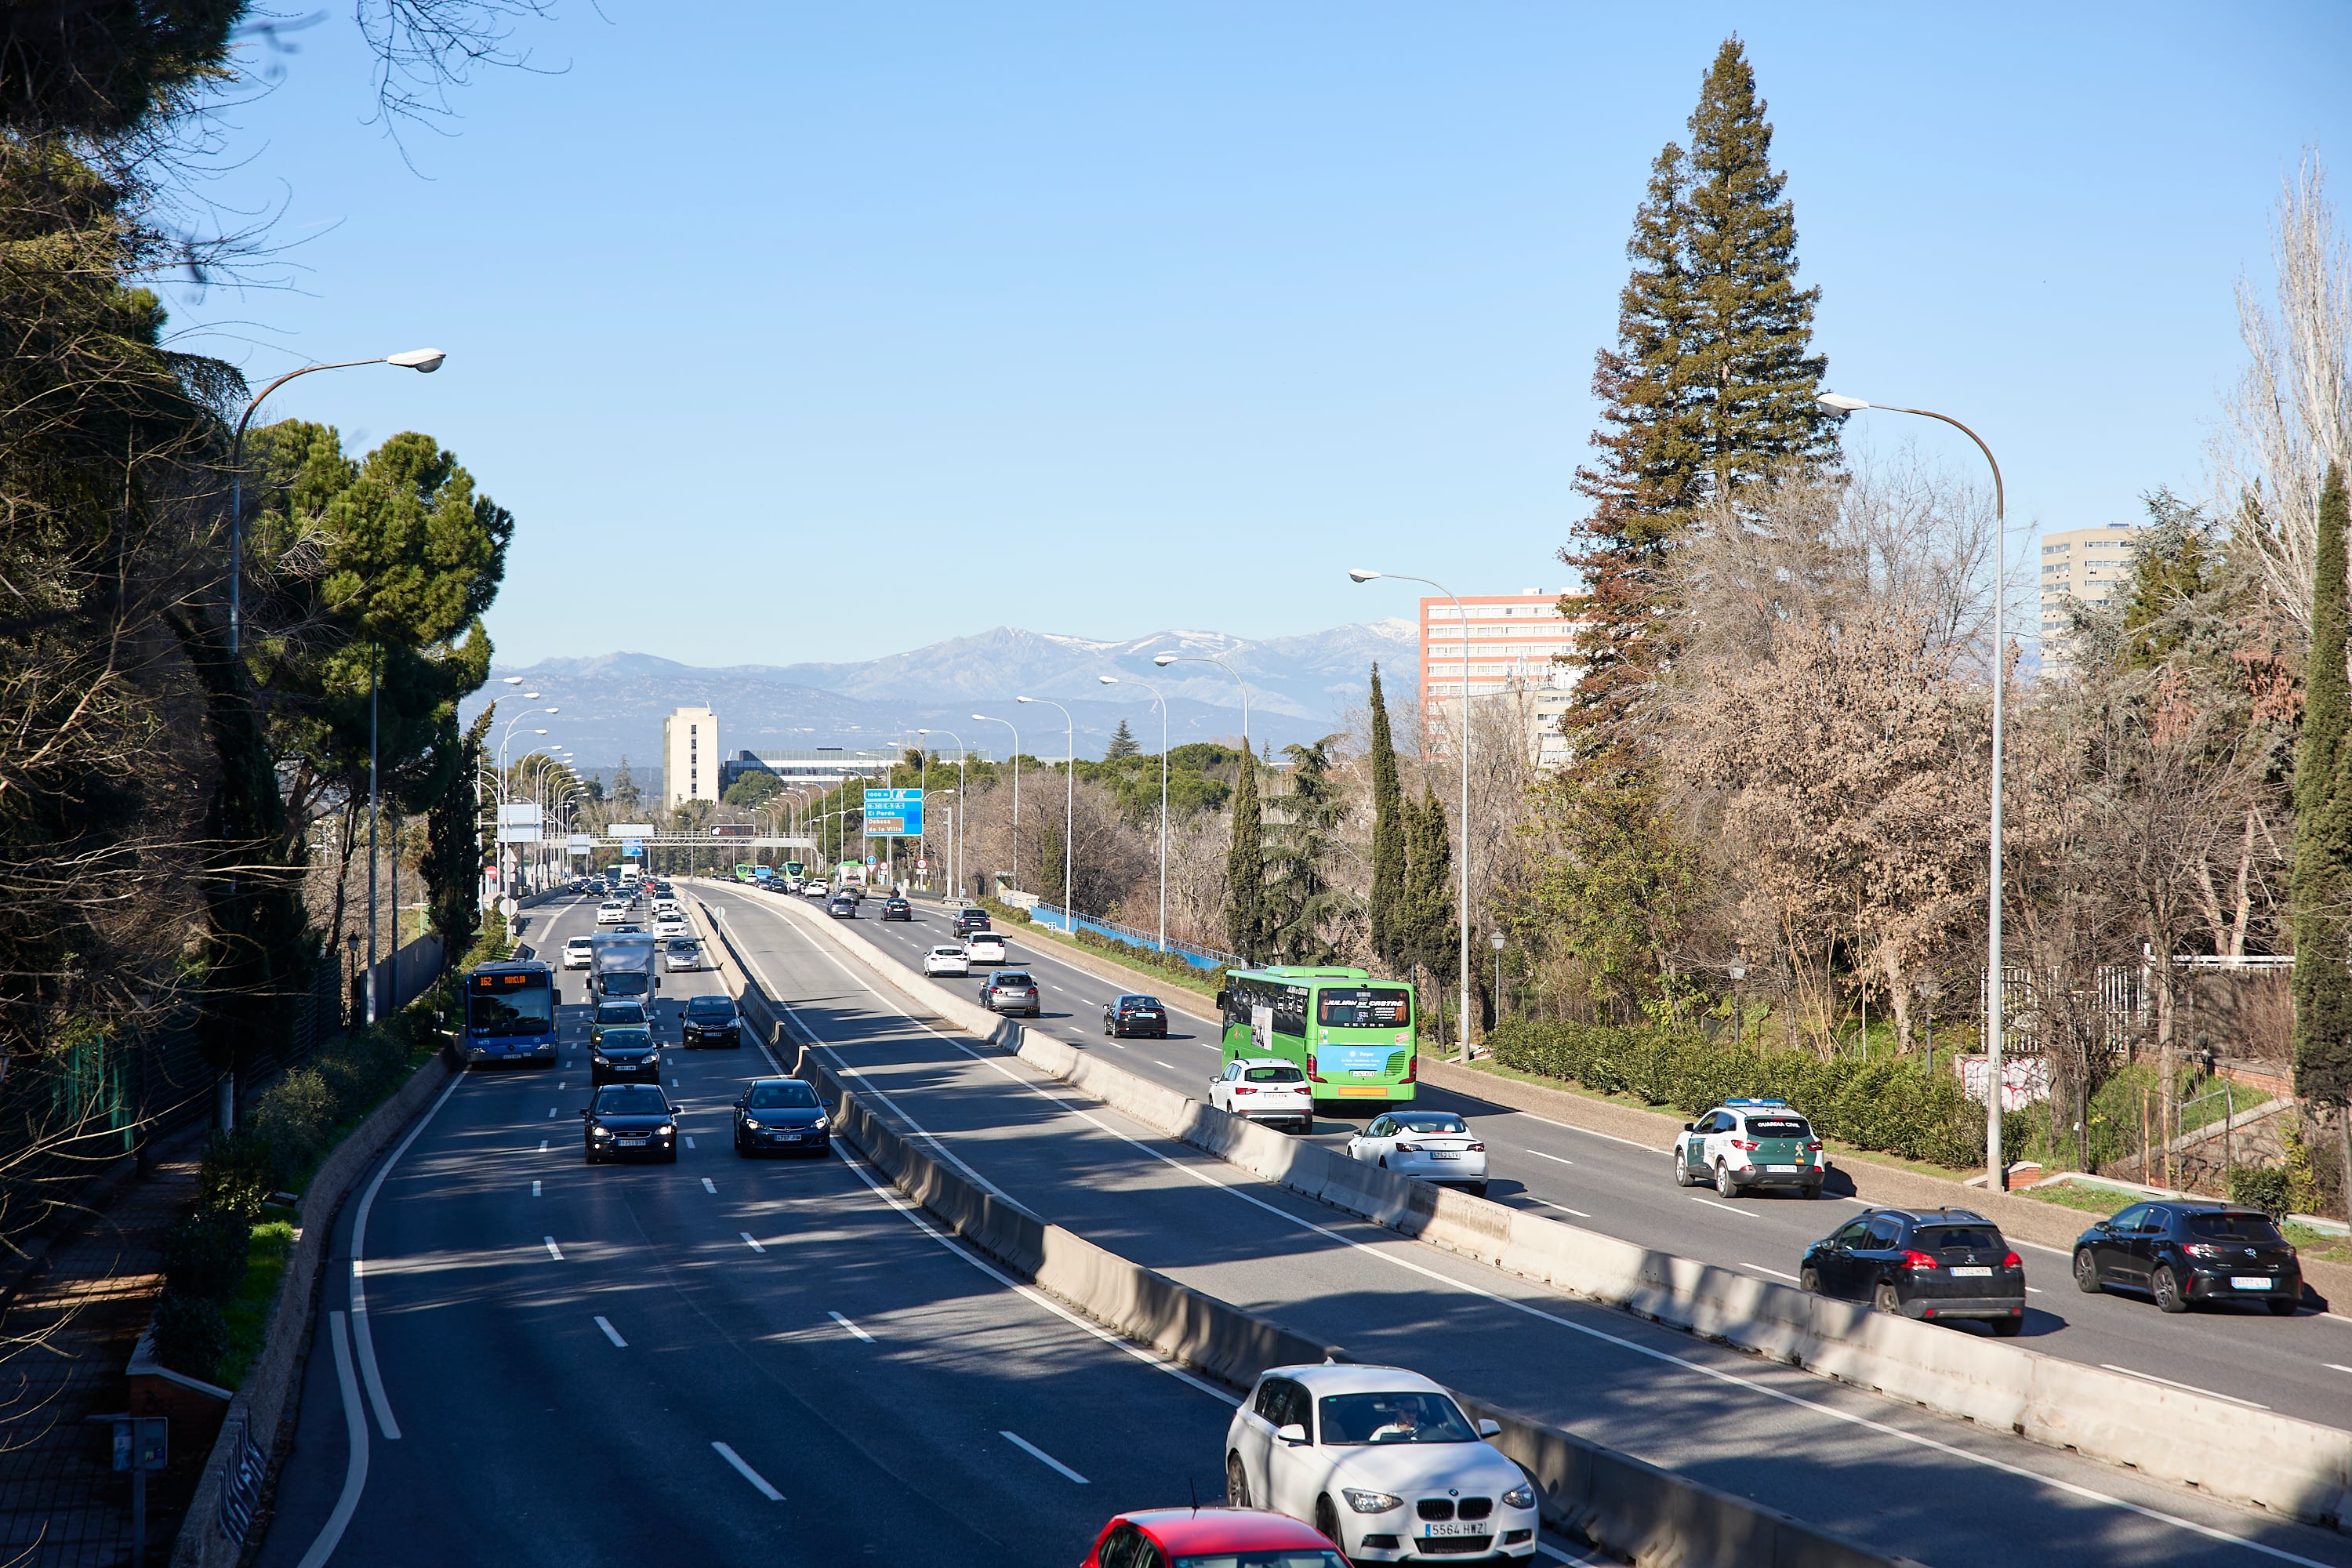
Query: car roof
(1263,1062)
(1354,1377)
(776,1077)
(1932,1216)
(946,947)
(1209,1529)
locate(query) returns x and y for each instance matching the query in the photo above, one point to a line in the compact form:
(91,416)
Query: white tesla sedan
(946,959)
(1382,1461)
(1435,1145)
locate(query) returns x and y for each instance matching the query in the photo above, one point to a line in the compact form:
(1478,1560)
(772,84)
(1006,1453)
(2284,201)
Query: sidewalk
(63,1339)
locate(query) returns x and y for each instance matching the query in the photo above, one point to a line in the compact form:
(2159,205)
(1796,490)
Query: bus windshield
(1368,1007)
(506,1004)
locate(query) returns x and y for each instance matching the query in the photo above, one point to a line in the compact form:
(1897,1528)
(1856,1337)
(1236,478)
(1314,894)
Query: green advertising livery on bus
(1350,1034)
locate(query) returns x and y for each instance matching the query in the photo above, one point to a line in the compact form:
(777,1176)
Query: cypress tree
(2322,883)
(1431,931)
(1049,869)
(1388,835)
(1246,868)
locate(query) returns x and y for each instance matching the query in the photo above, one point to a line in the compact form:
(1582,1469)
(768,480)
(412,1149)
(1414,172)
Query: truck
(625,968)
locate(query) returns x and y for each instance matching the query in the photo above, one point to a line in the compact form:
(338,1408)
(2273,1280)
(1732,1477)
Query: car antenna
(1194,1487)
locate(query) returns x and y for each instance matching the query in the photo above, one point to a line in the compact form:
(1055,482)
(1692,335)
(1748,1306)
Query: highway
(2293,1366)
(1900,1480)
(699,1362)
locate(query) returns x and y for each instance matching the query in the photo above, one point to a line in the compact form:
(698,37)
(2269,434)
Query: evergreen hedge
(1892,1106)
(204,1253)
(191,1334)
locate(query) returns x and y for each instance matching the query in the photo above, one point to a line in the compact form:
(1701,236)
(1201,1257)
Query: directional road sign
(894,813)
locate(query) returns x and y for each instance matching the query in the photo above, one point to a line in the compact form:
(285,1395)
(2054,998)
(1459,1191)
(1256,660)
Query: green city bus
(1350,1034)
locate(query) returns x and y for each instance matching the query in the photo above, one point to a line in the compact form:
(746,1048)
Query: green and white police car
(1745,1143)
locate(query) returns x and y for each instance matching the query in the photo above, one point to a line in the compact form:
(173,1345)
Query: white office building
(689,756)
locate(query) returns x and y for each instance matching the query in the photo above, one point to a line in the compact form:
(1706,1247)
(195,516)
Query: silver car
(1434,1145)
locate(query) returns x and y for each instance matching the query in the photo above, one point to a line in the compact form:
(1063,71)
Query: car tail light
(1477,1148)
(1407,1148)
(1243,1089)
(2012,1261)
(1814,1147)
(2201,1250)
(1915,1259)
(1747,1143)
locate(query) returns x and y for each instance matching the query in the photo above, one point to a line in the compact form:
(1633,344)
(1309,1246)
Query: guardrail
(1053,917)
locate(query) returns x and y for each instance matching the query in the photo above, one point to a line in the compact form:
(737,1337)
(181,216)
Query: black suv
(2184,1253)
(1134,1014)
(1935,1264)
(712,1021)
(895,908)
(631,1120)
(969,918)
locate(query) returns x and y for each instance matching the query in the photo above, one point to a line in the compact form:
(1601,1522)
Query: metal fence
(1053,916)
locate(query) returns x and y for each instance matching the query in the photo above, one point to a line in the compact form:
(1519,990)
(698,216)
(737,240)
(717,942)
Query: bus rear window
(1372,1008)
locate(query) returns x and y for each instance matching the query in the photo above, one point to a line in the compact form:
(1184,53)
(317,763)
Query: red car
(1199,1537)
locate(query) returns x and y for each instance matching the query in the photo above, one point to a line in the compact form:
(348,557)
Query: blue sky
(795,332)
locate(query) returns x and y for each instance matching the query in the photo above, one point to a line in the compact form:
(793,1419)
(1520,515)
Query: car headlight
(1522,1496)
(754,1125)
(602,1132)
(602,1060)
(1370,1502)
(818,1125)
(667,1128)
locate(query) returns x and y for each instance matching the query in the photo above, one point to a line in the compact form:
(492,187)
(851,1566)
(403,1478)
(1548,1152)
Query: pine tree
(1388,835)
(2321,887)
(1246,868)
(625,796)
(1299,898)
(1122,743)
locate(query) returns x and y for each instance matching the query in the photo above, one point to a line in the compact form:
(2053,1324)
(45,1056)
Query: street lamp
(424,360)
(1069,810)
(1495,937)
(1362,574)
(956,875)
(1996,1166)
(984,719)
(1113,680)
(1738,972)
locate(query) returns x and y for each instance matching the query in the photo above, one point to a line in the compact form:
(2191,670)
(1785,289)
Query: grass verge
(247,1312)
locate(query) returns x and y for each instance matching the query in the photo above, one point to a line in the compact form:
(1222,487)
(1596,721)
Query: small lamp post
(1929,988)
(1496,938)
(1738,972)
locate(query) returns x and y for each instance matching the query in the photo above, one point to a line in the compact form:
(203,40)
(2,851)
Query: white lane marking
(1773,1272)
(1553,1158)
(853,1328)
(1561,1207)
(355,1469)
(2337,1366)
(1743,1214)
(362,1338)
(550,1113)
(553,1250)
(1557,1555)
(2184,1387)
(748,1473)
(748,1242)
(708,1188)
(2033,1290)
(1170,1067)
(542,1145)
(534,1189)
(612,1333)
(690,1142)
(1042,1456)
(1865,1423)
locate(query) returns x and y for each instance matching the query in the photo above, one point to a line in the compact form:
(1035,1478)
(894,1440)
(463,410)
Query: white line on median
(1727,1208)
(1040,1455)
(1170,1065)
(748,1242)
(1561,1207)
(748,1473)
(708,1188)
(612,1333)
(1773,1272)
(355,1468)
(553,1250)
(1553,1158)
(2184,1387)
(861,1334)
(2337,1366)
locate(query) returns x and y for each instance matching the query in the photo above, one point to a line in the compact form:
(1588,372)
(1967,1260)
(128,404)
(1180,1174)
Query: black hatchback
(897,909)
(2187,1253)
(630,1121)
(1135,1014)
(969,918)
(712,1020)
(782,1116)
(1934,1264)
(625,1054)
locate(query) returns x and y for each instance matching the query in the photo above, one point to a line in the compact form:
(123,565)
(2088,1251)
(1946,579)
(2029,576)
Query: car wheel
(671,1158)
(1723,1184)
(2283,1306)
(1327,1519)
(1384,1161)
(2008,1328)
(2165,1285)
(1682,1169)
(1809,1280)
(1812,1190)
(1236,1482)
(2086,1272)
(1885,1299)
(1477,1189)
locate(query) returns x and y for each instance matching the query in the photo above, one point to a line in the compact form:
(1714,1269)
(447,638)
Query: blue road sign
(894,813)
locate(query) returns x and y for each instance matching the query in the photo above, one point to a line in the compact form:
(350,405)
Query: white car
(671,924)
(816,888)
(984,947)
(665,907)
(1435,1145)
(1382,1461)
(683,953)
(1264,1089)
(612,912)
(947,960)
(579,952)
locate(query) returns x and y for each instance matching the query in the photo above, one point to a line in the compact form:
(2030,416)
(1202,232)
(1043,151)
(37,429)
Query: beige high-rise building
(690,756)
(1516,645)
(2088,565)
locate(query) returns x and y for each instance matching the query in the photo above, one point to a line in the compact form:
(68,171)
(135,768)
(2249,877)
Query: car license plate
(1780,1167)
(630,1142)
(1965,1272)
(1443,1154)
(2249,1282)
(1457,1527)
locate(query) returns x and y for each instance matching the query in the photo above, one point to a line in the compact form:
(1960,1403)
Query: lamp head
(511,679)
(1163,659)
(1024,699)
(983,717)
(1840,402)
(1737,972)
(1360,574)
(1108,679)
(530,696)
(424,362)
(538,731)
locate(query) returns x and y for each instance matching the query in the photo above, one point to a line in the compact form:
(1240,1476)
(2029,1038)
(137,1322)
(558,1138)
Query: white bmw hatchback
(1382,1461)
(1435,1145)
(948,959)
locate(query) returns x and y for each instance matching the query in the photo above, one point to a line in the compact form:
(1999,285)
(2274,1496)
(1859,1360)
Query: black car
(2185,1253)
(781,1114)
(712,1021)
(895,908)
(625,1053)
(841,908)
(617,1016)
(969,918)
(1135,1014)
(1937,1264)
(630,1121)
(1011,991)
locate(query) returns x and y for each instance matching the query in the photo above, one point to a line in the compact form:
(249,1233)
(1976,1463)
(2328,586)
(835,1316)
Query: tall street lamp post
(1113,680)
(984,719)
(1069,810)
(1996,1166)
(955,876)
(1462,743)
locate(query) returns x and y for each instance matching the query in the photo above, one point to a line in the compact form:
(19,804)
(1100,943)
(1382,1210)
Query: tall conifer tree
(1432,930)
(1122,743)
(1246,868)
(1388,835)
(2322,885)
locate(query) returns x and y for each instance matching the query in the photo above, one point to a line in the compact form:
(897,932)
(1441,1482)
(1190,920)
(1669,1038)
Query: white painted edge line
(853,1328)
(612,1333)
(1555,1159)
(553,1250)
(1950,1450)
(2184,1387)
(748,1473)
(2336,1366)
(355,1468)
(362,1339)
(1043,1457)
(1561,1207)
(750,1243)
(1773,1272)
(1743,1214)
(708,1187)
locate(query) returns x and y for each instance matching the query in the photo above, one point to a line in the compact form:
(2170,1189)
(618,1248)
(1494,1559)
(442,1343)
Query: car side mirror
(1488,1427)
(1690,1126)
(1295,1435)
(584,1111)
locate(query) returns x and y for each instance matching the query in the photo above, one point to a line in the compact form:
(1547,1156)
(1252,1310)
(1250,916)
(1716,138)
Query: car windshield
(1371,1007)
(710,1007)
(1354,1418)
(630,1039)
(781,1096)
(1266,1557)
(2245,1227)
(682,945)
(620,1012)
(1777,1127)
(623,982)
(1982,1239)
(1274,1075)
(1430,1122)
(631,1099)
(580,944)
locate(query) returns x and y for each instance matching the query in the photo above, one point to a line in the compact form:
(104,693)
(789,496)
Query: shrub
(235,1174)
(2263,1187)
(191,1334)
(1169,964)
(294,1121)
(1006,913)
(205,1254)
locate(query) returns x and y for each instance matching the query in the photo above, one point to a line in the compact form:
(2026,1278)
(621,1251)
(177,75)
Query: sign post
(141,1443)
